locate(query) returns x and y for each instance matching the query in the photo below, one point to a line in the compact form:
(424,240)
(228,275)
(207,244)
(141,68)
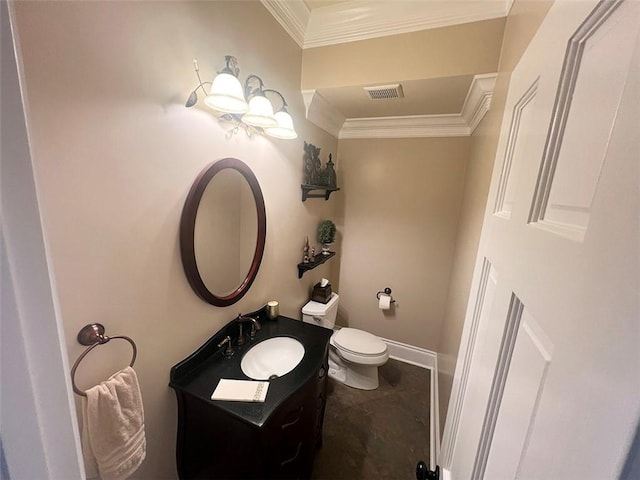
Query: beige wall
(401,202)
(466,49)
(522,23)
(115,154)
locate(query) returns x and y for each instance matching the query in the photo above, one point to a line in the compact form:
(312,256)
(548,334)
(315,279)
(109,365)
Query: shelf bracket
(306,189)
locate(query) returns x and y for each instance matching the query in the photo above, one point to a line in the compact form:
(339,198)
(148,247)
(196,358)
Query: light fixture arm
(249,91)
(193,98)
(284,102)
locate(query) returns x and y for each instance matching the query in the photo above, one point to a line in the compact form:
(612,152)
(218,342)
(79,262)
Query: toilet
(354,355)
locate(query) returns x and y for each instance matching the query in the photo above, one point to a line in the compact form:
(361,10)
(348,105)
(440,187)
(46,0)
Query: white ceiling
(317,23)
(433,96)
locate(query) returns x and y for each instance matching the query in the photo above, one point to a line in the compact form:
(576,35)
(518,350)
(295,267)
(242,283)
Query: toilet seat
(359,342)
(360,347)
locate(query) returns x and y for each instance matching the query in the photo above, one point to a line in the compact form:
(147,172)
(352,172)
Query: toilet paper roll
(384,302)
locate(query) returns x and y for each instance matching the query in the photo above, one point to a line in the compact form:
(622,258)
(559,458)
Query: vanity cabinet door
(292,434)
(212,444)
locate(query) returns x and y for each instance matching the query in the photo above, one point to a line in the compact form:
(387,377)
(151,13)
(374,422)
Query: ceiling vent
(385,92)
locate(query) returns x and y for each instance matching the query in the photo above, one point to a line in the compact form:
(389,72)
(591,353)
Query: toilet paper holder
(386,291)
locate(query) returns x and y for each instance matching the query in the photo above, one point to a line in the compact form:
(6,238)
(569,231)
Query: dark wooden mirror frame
(187,230)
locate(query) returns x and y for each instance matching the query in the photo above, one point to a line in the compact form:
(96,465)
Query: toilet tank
(322,314)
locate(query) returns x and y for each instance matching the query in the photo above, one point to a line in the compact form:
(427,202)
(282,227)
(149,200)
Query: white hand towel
(113,440)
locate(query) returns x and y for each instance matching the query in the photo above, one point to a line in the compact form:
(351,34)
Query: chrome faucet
(255,326)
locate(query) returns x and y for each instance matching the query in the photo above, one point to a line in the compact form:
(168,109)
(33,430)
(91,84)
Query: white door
(547,383)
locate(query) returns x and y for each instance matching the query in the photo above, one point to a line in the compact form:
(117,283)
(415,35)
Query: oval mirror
(222,232)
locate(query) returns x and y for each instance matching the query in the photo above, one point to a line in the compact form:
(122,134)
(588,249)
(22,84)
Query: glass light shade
(260,113)
(226,95)
(285,127)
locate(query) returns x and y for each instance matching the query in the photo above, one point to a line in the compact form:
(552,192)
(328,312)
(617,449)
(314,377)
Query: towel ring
(93,334)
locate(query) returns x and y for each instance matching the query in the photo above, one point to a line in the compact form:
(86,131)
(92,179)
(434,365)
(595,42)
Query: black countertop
(199,374)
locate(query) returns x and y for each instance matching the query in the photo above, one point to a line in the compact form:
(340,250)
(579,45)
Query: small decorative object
(273,310)
(316,171)
(326,234)
(328,177)
(315,177)
(312,165)
(308,162)
(333,177)
(313,254)
(305,258)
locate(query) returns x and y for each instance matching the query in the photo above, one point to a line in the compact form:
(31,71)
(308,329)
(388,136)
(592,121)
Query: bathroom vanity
(273,439)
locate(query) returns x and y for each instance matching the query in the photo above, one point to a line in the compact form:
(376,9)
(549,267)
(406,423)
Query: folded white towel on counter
(113,439)
(240,390)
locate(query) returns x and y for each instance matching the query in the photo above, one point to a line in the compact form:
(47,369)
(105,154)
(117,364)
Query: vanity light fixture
(246,105)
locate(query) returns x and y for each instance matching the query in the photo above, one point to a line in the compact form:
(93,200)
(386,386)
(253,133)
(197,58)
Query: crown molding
(410,126)
(321,113)
(478,100)
(293,16)
(365,19)
(362,20)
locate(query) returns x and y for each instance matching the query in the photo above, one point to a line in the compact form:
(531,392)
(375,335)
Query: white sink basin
(275,356)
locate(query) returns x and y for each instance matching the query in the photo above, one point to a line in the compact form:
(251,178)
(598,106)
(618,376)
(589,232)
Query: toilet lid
(359,342)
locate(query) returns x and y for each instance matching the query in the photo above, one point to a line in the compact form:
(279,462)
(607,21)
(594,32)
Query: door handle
(423,473)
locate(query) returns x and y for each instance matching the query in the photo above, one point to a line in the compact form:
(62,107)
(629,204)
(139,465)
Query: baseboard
(420,357)
(424,358)
(435,417)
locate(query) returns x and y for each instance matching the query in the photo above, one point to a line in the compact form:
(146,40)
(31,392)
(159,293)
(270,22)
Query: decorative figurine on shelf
(308,162)
(313,255)
(312,165)
(328,176)
(305,258)
(326,235)
(316,172)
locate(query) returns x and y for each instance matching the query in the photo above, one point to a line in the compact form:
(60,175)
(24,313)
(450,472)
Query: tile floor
(379,434)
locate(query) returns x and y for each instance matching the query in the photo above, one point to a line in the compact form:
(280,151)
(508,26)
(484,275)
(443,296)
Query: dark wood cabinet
(238,440)
(214,444)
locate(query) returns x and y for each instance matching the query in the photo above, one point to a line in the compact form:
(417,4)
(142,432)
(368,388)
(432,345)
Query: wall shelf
(320,259)
(306,189)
